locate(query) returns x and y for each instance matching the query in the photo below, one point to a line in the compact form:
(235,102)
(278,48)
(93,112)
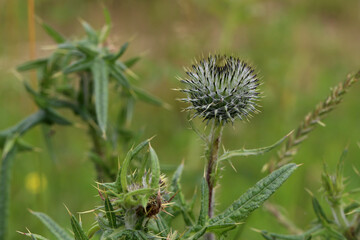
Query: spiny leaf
(250,152)
(77,229)
(110,213)
(155,168)
(254,197)
(54,228)
(100,74)
(34,236)
(9,152)
(54,117)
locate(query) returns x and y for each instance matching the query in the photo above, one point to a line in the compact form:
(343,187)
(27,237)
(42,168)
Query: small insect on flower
(221,87)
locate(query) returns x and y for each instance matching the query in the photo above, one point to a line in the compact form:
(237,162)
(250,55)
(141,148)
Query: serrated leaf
(53,227)
(155,168)
(55,35)
(204,210)
(100,76)
(110,215)
(254,197)
(250,152)
(32,64)
(162,226)
(79,233)
(7,158)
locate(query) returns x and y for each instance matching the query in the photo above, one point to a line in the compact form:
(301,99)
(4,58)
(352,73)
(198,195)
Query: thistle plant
(140,204)
(77,76)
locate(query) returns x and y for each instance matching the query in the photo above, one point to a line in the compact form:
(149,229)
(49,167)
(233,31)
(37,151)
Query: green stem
(212,154)
(340,217)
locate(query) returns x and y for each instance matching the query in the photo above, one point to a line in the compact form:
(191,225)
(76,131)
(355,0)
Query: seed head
(221,87)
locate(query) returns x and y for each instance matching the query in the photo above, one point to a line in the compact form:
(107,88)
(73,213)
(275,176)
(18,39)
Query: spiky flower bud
(221,87)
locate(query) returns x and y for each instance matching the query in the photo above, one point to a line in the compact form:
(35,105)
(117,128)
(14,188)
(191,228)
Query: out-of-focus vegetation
(300,48)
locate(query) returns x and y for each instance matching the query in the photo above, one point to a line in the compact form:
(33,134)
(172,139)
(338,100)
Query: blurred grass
(301,48)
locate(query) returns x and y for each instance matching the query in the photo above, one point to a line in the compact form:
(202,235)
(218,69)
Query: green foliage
(343,224)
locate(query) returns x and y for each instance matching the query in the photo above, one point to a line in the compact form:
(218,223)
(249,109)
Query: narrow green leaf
(104,33)
(204,210)
(55,35)
(162,226)
(32,64)
(100,75)
(148,98)
(121,180)
(179,199)
(110,215)
(319,211)
(7,158)
(120,52)
(155,168)
(54,228)
(119,76)
(131,62)
(53,117)
(254,197)
(80,65)
(90,32)
(275,236)
(77,229)
(23,126)
(250,152)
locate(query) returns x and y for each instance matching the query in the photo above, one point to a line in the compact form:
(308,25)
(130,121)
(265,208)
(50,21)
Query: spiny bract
(221,87)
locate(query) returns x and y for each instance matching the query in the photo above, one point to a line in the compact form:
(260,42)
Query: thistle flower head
(221,87)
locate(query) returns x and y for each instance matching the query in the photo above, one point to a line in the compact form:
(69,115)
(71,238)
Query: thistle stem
(212,165)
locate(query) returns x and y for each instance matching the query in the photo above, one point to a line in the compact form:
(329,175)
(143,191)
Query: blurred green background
(300,48)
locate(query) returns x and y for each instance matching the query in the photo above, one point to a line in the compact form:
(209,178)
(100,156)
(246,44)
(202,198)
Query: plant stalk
(212,154)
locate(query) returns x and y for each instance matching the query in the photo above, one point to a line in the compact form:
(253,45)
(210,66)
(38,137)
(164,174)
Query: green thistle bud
(222,88)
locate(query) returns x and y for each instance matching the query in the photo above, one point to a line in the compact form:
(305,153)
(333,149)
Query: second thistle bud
(221,87)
